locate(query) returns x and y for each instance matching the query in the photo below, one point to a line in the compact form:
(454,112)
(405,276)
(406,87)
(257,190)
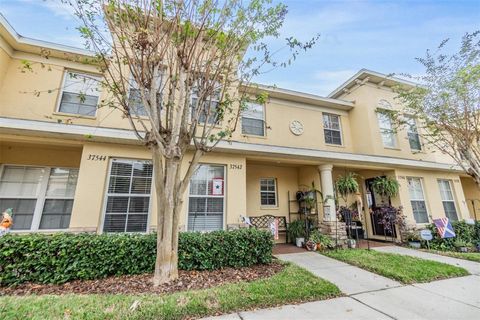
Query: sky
(381,35)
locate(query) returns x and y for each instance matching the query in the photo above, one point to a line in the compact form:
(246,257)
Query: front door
(375,201)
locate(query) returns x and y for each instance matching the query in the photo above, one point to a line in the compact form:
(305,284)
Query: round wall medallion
(296,127)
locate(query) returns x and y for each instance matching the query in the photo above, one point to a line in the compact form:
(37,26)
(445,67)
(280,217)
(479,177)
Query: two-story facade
(66,165)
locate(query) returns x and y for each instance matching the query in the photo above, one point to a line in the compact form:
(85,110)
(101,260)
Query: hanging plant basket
(347,184)
(386,186)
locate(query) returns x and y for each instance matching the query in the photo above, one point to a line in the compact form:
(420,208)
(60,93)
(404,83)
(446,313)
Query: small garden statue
(6,222)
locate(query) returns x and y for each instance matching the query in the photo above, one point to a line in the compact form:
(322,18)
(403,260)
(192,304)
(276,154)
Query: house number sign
(96,157)
(235,166)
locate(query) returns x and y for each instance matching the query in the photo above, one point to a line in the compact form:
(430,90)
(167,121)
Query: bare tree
(176,70)
(446,103)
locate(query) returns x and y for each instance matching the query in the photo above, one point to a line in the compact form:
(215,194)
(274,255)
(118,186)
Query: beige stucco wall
(88,207)
(472,196)
(431,192)
(4,63)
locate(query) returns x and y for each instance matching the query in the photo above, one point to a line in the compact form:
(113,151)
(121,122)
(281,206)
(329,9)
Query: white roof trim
(41,43)
(369,72)
(80,132)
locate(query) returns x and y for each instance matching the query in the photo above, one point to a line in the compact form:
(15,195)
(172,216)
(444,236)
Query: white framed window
(253,119)
(206,201)
(448,200)
(332,129)
(389,138)
(41,197)
(208,107)
(268,192)
(127,203)
(417,199)
(413,136)
(80,94)
(135,102)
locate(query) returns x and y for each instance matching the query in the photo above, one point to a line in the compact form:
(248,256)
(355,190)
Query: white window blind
(41,197)
(412,132)
(448,199)
(128,196)
(207,106)
(206,198)
(253,119)
(268,192)
(417,200)
(332,129)
(386,130)
(80,94)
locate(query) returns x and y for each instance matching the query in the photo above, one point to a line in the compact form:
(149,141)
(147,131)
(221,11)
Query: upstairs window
(413,137)
(448,200)
(208,107)
(135,103)
(417,200)
(268,192)
(331,129)
(253,119)
(80,93)
(389,137)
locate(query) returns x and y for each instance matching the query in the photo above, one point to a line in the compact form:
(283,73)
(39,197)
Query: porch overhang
(111,135)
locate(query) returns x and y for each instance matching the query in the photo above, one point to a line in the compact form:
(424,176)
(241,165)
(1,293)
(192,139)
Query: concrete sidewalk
(374,297)
(471,266)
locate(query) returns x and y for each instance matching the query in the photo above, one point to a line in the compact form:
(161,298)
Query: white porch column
(329,213)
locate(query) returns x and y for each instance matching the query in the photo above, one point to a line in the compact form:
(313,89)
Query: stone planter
(414,244)
(299,242)
(462,249)
(351,243)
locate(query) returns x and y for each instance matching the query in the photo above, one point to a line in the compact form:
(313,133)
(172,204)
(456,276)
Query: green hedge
(63,257)
(466,232)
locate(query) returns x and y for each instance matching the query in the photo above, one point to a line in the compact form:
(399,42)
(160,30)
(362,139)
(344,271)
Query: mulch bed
(135,284)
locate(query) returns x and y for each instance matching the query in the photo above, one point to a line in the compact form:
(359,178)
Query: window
(79,94)
(389,138)
(206,198)
(413,137)
(128,196)
(253,119)
(208,107)
(448,199)
(135,102)
(417,200)
(41,198)
(268,192)
(331,129)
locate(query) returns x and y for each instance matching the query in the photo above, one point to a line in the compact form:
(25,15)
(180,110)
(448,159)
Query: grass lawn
(401,268)
(472,256)
(291,285)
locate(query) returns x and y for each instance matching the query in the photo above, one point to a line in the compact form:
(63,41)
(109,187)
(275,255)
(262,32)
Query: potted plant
(386,186)
(478,246)
(413,240)
(351,243)
(296,232)
(316,237)
(461,245)
(311,245)
(325,243)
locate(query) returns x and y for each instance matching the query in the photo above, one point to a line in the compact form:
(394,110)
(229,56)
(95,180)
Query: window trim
(40,198)
(264,121)
(339,130)
(225,192)
(106,194)
(268,206)
(454,200)
(424,200)
(60,94)
(382,130)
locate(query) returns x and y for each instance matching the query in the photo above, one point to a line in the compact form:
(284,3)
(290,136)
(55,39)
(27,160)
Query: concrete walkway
(370,296)
(471,266)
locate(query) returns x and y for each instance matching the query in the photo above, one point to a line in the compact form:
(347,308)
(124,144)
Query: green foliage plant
(347,184)
(296,229)
(386,186)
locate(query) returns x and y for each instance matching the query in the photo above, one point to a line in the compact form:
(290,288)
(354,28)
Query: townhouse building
(66,165)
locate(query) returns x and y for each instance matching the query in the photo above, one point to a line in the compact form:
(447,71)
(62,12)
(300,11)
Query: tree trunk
(168,208)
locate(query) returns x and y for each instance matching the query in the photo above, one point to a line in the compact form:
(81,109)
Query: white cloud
(57,7)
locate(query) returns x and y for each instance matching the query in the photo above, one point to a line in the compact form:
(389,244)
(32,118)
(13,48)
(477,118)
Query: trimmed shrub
(468,233)
(63,257)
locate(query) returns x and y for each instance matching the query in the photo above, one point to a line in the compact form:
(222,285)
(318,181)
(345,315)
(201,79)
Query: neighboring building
(87,172)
